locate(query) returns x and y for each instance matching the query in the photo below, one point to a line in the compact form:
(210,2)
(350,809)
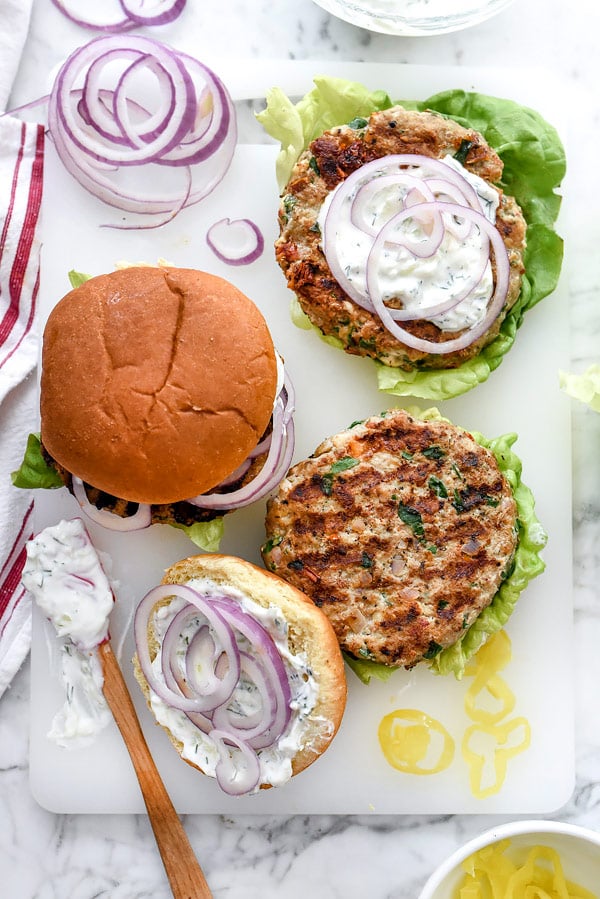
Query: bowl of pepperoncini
(522,859)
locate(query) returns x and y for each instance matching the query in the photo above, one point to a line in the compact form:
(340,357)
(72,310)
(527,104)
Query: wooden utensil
(185,874)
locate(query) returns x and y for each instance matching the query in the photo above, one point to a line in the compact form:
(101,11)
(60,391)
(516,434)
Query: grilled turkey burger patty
(400,529)
(321,168)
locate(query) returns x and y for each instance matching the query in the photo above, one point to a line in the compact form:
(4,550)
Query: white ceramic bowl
(414,17)
(578,848)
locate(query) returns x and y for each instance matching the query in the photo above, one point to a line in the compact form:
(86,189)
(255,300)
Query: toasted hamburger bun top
(309,634)
(156,382)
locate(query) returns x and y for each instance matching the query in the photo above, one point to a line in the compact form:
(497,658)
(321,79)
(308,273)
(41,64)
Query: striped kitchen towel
(21,172)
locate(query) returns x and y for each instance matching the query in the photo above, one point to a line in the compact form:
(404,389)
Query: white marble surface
(80,857)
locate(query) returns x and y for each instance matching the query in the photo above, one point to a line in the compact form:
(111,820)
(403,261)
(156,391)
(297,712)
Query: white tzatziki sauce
(64,576)
(419,282)
(422,8)
(198,747)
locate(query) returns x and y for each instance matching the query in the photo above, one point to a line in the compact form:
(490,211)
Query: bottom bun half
(309,640)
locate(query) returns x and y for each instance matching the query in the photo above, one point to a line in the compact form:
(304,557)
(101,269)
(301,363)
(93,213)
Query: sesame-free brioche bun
(309,634)
(156,382)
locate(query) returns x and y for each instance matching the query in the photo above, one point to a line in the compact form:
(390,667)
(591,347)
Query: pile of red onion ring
(440,201)
(209,644)
(278,445)
(127,107)
(124,15)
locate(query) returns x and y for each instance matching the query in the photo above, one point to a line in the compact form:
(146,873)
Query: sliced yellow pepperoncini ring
(501,733)
(494,656)
(405,736)
(499,690)
(492,874)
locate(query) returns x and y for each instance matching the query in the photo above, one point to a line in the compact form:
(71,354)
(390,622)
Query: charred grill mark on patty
(408,543)
(331,158)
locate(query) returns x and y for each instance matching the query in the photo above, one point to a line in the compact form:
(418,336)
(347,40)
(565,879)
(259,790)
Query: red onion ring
(433,196)
(236,242)
(166,11)
(184,119)
(494,306)
(216,688)
(129,14)
(401,166)
(122,23)
(276,464)
(446,222)
(141,519)
(170,692)
(206,700)
(251,725)
(235,780)
(277,684)
(369,189)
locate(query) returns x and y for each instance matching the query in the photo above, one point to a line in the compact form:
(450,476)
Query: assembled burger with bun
(162,399)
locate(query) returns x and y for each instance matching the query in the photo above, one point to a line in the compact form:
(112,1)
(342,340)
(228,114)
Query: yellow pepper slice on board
(499,690)
(484,667)
(494,656)
(405,736)
(476,761)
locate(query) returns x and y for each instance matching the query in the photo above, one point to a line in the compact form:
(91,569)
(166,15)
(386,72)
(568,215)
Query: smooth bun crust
(309,632)
(156,382)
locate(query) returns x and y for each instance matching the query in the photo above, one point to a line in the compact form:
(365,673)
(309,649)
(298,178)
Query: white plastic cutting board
(333,389)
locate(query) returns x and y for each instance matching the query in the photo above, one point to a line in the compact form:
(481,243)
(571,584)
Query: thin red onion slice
(236,242)
(276,464)
(404,182)
(126,14)
(141,519)
(495,303)
(105,50)
(124,111)
(112,22)
(277,684)
(173,695)
(237,774)
(400,165)
(228,717)
(424,212)
(161,13)
(180,673)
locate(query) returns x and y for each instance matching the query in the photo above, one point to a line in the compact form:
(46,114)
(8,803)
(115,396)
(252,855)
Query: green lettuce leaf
(333,101)
(534,166)
(584,387)
(527,564)
(34,471)
(205,534)
(365,669)
(78,278)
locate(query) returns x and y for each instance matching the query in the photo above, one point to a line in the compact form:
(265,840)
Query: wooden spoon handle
(184,873)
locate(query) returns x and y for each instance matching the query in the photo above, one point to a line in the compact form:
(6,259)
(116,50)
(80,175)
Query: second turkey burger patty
(400,529)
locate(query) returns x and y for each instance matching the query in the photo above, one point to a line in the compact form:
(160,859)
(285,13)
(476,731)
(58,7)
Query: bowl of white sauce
(414,17)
